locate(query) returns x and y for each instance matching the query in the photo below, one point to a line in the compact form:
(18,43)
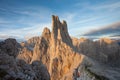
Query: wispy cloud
(28,22)
(69,17)
(86,20)
(35,30)
(111,6)
(103,5)
(83,16)
(89,16)
(109,30)
(2,21)
(25,12)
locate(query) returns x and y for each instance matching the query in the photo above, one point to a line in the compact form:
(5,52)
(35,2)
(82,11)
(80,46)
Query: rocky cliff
(55,50)
(12,68)
(104,50)
(55,55)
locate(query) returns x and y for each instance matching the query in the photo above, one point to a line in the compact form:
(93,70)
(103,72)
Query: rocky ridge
(12,68)
(55,55)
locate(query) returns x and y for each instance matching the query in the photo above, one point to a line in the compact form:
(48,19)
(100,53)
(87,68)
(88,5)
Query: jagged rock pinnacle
(46,33)
(60,31)
(59,54)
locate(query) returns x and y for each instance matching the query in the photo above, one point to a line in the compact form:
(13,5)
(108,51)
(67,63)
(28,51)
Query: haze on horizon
(26,18)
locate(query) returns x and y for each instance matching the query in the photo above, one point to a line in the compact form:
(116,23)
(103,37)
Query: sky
(22,19)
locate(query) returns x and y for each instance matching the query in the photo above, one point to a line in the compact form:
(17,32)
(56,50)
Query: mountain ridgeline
(56,56)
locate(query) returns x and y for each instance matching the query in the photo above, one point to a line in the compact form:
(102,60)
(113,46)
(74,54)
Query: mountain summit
(56,56)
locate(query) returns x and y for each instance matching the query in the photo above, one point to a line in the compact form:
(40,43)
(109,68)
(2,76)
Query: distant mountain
(115,35)
(18,40)
(1,40)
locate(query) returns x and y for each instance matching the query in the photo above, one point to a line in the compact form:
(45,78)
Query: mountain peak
(106,40)
(60,31)
(46,33)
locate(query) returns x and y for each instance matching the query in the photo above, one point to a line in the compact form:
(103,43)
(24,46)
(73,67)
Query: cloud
(3,36)
(93,16)
(25,14)
(26,22)
(69,17)
(106,5)
(3,21)
(21,33)
(109,30)
(30,20)
(86,20)
(111,6)
(81,25)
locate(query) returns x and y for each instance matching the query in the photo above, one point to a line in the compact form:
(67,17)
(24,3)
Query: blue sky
(26,18)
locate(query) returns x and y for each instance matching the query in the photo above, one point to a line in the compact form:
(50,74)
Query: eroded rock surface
(12,68)
(55,55)
(62,54)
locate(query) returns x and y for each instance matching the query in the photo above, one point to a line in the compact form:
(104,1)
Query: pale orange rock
(62,54)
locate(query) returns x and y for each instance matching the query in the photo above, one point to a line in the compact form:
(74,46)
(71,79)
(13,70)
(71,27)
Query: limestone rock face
(60,31)
(104,50)
(64,62)
(62,54)
(25,54)
(41,52)
(54,49)
(34,40)
(46,33)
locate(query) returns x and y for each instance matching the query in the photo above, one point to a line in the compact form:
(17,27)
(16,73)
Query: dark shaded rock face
(12,68)
(60,31)
(9,46)
(55,55)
